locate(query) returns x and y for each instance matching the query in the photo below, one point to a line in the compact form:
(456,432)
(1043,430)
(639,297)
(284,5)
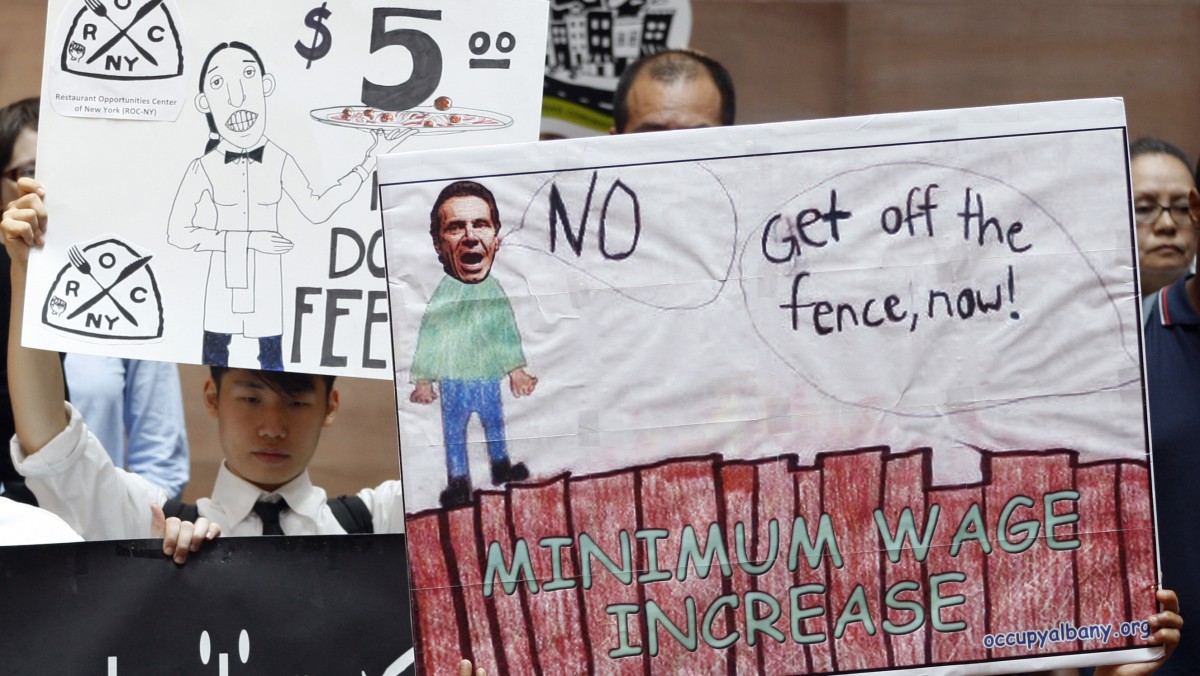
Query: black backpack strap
(352,513)
(185,511)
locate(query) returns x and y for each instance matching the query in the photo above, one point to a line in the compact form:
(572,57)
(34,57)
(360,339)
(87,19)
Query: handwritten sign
(211,167)
(825,396)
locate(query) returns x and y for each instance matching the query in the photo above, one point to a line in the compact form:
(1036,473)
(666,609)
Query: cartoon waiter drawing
(228,203)
(468,340)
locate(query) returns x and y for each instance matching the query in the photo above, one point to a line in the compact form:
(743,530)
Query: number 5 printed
(426,60)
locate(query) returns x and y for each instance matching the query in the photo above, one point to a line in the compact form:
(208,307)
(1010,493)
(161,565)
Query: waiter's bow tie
(252,155)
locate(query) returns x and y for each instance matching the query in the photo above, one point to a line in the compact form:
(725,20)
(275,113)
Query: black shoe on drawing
(457,493)
(504,472)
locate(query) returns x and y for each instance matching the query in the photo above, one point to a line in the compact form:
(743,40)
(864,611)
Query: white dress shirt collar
(236,498)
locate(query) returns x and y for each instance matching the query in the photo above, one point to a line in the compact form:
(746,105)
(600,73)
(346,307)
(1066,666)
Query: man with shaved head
(675,89)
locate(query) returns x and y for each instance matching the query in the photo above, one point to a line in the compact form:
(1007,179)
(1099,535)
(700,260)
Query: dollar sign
(321,38)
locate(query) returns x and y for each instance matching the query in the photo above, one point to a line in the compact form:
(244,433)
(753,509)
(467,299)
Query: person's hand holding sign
(1166,626)
(38,412)
(37,375)
(181,538)
(25,220)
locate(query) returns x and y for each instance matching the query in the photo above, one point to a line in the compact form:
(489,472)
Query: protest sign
(310,605)
(839,395)
(211,166)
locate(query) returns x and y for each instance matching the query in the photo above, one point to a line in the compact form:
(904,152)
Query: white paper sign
(246,231)
(837,395)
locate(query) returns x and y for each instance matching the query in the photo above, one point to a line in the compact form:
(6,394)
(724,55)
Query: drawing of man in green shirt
(468,340)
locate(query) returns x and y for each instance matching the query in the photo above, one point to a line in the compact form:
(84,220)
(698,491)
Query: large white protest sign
(210,166)
(823,396)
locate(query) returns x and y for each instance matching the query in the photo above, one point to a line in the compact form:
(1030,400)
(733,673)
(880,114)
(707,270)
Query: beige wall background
(798,60)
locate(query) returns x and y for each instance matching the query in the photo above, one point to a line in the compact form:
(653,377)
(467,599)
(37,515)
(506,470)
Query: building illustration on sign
(589,45)
(600,38)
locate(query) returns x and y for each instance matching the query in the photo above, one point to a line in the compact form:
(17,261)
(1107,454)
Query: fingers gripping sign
(1166,625)
(25,220)
(181,538)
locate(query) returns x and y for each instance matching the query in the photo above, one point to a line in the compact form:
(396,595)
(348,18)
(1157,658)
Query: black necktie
(255,155)
(269,513)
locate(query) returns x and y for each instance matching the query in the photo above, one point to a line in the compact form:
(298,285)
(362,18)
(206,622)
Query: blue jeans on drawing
(461,398)
(216,351)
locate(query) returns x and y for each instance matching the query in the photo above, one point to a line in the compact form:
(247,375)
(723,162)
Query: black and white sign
(238,153)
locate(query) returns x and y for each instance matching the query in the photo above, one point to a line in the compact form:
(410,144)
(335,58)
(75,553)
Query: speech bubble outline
(747,247)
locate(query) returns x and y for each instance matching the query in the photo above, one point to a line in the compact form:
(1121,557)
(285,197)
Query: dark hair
(214,137)
(284,382)
(15,118)
(673,65)
(460,189)
(1149,145)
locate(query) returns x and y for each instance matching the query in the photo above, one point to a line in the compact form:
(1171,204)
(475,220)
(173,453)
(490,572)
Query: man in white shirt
(270,423)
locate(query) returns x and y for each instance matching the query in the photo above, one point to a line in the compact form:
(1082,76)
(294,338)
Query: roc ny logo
(107,291)
(123,40)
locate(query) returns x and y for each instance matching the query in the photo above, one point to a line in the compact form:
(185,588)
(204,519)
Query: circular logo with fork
(107,291)
(123,40)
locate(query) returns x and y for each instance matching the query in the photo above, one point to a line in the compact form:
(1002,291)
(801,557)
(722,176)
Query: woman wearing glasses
(1163,191)
(1166,237)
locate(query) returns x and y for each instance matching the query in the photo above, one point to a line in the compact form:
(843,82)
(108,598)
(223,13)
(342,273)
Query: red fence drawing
(971,568)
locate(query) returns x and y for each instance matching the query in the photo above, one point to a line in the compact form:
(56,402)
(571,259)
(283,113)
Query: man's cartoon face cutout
(235,93)
(467,240)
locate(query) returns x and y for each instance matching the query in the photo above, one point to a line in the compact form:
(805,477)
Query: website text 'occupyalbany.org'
(1036,639)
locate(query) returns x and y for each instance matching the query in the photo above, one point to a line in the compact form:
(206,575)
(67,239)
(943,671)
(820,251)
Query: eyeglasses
(1146,213)
(26,170)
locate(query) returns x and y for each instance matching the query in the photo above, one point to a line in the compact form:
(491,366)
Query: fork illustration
(82,264)
(100,10)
